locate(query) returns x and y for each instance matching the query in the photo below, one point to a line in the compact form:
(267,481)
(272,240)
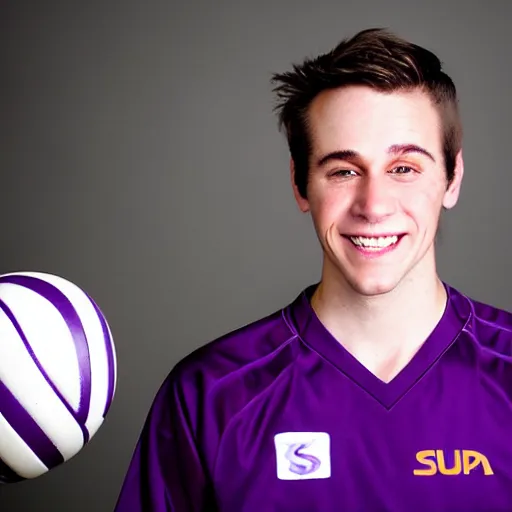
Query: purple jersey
(278,417)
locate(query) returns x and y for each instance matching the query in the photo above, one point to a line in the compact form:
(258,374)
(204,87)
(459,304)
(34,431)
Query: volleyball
(58,372)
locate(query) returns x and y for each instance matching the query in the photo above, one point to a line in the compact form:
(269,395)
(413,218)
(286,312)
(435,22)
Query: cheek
(328,209)
(424,204)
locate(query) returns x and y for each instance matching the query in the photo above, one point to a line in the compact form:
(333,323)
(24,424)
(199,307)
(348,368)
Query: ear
(451,196)
(301,201)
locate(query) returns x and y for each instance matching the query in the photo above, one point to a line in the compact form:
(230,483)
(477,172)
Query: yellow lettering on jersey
(464,462)
(423,458)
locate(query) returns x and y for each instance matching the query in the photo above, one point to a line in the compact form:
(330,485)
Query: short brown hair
(379,59)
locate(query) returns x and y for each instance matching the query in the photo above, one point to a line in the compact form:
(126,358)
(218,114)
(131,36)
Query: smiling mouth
(374,243)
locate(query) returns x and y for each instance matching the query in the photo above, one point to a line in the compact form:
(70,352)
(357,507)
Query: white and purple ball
(58,372)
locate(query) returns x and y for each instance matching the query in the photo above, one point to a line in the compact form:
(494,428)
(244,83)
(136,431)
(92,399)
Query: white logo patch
(303,455)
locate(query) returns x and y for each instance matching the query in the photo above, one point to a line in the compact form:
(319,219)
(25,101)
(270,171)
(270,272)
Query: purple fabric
(28,429)
(209,440)
(70,316)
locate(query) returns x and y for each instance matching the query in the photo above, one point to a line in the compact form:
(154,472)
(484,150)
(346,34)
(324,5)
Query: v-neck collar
(311,330)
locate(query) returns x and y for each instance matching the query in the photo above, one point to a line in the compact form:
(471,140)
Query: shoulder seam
(476,318)
(486,322)
(238,370)
(287,323)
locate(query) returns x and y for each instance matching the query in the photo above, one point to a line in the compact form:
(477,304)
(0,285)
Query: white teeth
(378,243)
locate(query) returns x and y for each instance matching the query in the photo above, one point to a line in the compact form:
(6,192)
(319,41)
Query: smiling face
(377,185)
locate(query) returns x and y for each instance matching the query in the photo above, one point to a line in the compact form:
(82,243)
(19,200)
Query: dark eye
(402,169)
(343,173)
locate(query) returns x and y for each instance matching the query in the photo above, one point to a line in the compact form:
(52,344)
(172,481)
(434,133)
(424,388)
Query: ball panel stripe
(20,375)
(92,324)
(61,302)
(110,358)
(17,455)
(46,377)
(28,429)
(49,337)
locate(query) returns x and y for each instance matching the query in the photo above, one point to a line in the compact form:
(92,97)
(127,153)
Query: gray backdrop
(140,159)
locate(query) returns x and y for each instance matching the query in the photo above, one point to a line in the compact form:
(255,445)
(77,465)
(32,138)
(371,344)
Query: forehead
(368,121)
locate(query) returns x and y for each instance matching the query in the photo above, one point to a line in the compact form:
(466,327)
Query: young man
(381,388)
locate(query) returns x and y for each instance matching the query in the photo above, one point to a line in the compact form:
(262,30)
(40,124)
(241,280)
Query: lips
(374,245)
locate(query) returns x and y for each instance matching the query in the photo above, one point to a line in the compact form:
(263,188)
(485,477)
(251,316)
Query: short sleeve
(167,473)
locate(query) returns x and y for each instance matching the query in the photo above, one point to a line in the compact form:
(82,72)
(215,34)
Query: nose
(374,200)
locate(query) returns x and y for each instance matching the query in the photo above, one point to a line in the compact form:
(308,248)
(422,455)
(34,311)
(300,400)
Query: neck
(383,332)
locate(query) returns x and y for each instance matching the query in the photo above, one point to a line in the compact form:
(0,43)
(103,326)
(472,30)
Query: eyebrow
(395,149)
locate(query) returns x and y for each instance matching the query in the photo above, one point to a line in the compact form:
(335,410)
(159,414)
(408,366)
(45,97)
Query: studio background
(140,159)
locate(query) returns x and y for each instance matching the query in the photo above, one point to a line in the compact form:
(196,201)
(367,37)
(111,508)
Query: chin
(372,286)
